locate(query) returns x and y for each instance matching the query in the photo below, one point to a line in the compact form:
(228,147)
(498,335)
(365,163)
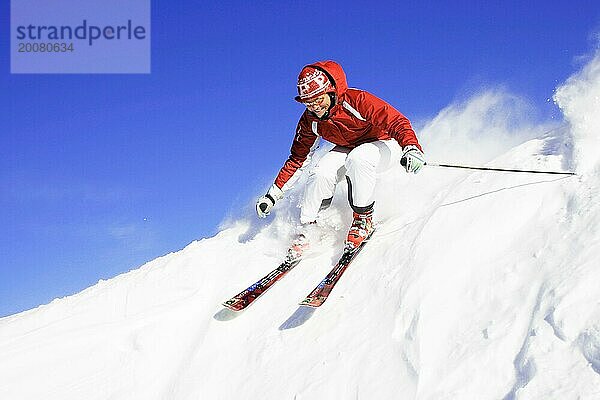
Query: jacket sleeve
(387,118)
(305,142)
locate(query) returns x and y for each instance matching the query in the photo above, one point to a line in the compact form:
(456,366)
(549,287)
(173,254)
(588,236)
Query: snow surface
(477,285)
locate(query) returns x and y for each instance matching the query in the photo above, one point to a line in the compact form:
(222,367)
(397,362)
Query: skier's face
(319,105)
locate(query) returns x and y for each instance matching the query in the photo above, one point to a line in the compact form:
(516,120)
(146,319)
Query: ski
(246,297)
(319,295)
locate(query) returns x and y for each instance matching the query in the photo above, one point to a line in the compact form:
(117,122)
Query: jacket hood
(335,73)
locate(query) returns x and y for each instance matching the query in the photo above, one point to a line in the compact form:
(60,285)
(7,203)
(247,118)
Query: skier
(370,136)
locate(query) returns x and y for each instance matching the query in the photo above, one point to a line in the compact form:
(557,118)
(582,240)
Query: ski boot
(297,249)
(361,229)
(301,244)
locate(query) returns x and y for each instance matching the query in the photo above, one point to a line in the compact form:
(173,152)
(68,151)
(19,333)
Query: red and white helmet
(311,83)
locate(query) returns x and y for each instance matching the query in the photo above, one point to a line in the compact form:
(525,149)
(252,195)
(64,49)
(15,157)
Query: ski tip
(313,302)
(232,306)
(226,314)
(308,305)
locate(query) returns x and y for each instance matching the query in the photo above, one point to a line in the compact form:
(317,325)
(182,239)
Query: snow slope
(477,285)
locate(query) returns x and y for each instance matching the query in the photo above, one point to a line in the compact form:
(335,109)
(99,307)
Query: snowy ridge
(476,286)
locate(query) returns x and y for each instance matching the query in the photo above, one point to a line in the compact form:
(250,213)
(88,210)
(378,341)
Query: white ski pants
(360,166)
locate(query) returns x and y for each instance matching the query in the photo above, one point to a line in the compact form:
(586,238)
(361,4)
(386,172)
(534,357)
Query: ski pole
(431,164)
(500,169)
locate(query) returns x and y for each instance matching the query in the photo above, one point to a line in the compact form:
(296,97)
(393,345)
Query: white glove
(266,202)
(412,159)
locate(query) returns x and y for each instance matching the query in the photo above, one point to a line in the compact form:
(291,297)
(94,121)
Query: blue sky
(101,173)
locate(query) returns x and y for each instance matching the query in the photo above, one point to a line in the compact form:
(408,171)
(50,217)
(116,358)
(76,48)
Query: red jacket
(357,117)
